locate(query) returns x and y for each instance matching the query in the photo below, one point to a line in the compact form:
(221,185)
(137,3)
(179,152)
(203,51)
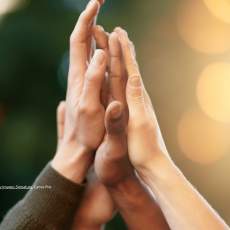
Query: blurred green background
(172,53)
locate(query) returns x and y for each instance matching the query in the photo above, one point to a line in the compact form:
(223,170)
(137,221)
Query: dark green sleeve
(46,208)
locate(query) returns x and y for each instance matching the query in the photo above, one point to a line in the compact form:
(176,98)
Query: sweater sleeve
(51,204)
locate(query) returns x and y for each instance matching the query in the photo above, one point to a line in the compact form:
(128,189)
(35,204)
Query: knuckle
(137,98)
(83,108)
(141,125)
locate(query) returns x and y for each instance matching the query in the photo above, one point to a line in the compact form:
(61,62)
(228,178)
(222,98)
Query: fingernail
(116,113)
(98,58)
(135,81)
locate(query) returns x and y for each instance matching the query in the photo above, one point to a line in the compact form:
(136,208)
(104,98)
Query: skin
(84,114)
(97,206)
(182,205)
(84,127)
(81,123)
(112,164)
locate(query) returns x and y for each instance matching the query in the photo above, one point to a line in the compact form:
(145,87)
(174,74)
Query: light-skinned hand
(84,116)
(181,204)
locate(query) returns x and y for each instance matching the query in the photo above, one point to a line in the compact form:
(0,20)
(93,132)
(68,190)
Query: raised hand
(84,116)
(112,164)
(143,128)
(181,204)
(97,206)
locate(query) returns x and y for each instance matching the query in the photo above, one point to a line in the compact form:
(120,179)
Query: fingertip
(117,29)
(115,110)
(100,37)
(99,57)
(61,106)
(114,35)
(92,5)
(101,2)
(98,28)
(115,49)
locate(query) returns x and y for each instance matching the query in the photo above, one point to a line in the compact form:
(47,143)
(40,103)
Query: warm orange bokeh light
(202,140)
(213,91)
(219,8)
(200,29)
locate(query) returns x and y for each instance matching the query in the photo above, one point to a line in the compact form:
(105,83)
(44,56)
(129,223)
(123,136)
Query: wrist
(72,161)
(162,170)
(130,187)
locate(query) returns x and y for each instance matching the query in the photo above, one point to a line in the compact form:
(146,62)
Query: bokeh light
(219,8)
(7,6)
(213,91)
(200,29)
(202,139)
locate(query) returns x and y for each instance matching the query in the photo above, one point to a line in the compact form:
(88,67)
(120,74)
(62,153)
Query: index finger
(78,49)
(90,42)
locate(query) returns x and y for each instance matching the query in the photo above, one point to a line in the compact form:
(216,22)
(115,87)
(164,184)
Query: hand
(145,142)
(97,206)
(133,200)
(112,164)
(84,116)
(181,204)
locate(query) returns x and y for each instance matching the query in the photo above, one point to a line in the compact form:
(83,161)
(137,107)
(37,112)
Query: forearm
(137,206)
(182,205)
(52,207)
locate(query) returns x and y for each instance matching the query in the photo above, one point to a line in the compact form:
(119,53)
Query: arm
(53,209)
(113,168)
(53,206)
(97,206)
(182,205)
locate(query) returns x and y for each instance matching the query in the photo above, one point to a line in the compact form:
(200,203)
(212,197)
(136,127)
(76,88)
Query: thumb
(135,98)
(115,122)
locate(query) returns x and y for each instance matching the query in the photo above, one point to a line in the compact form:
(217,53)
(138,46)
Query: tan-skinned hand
(112,165)
(97,206)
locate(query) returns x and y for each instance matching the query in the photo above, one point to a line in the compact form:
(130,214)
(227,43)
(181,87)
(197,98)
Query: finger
(60,122)
(133,49)
(94,77)
(91,44)
(117,74)
(135,99)
(101,38)
(78,49)
(115,123)
(104,91)
(117,30)
(130,62)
